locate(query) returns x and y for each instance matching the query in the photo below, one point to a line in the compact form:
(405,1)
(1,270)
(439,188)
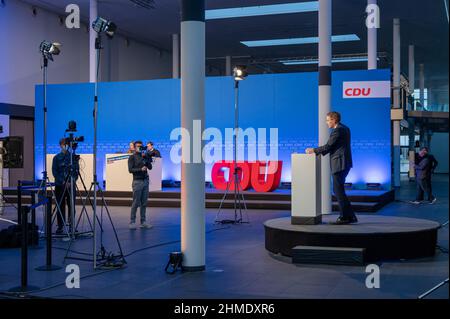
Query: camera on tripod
(73,140)
(148,158)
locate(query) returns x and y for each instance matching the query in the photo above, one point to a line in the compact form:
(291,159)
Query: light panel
(293,41)
(253,11)
(315,61)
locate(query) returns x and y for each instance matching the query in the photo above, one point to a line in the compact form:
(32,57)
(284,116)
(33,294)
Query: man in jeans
(137,165)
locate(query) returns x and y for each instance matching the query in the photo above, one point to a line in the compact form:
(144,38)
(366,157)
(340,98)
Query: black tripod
(101,258)
(238,194)
(45,183)
(72,189)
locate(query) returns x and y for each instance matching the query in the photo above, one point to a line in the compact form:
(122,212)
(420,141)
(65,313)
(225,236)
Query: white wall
(439,148)
(20,61)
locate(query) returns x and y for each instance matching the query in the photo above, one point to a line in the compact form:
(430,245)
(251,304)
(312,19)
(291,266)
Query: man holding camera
(61,169)
(138,164)
(152,151)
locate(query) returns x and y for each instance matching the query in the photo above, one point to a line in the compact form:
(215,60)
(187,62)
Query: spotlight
(240,72)
(175,260)
(49,49)
(101,25)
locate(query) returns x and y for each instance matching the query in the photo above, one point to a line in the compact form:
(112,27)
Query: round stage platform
(383,237)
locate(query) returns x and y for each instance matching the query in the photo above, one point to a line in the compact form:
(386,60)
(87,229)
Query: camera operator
(138,164)
(151,151)
(61,169)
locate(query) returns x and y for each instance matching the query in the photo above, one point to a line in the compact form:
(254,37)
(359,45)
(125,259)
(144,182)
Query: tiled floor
(238,266)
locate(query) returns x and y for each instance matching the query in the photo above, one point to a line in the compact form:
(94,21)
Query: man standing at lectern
(339,148)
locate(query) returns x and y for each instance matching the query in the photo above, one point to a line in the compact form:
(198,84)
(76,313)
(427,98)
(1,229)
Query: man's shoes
(433,201)
(132,226)
(416,202)
(146,226)
(345,221)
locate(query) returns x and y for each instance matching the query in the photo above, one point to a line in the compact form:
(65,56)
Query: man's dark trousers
(424,186)
(63,199)
(345,207)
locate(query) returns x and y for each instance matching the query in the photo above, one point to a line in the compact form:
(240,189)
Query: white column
(411,68)
(228,65)
(396,84)
(176,56)
(411,124)
(422,86)
(192,109)
(325,96)
(371,44)
(93,13)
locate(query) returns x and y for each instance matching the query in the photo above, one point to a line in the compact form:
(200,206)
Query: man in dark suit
(152,151)
(339,148)
(425,164)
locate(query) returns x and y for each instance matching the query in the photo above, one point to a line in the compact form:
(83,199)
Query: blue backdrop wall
(150,110)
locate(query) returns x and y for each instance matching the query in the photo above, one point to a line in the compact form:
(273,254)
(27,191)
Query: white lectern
(119,179)
(86,170)
(306,189)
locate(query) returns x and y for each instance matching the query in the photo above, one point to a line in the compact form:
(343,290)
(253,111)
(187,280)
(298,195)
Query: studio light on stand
(101,26)
(239,74)
(48,50)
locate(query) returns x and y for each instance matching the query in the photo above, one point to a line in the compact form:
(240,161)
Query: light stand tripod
(238,194)
(48,50)
(100,259)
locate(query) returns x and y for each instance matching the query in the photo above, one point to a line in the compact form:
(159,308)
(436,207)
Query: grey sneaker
(433,201)
(132,226)
(415,202)
(146,226)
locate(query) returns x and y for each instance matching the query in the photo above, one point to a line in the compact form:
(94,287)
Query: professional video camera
(73,140)
(148,158)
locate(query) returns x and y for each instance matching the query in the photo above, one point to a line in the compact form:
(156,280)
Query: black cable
(141,249)
(27,295)
(170,242)
(442,249)
(443,225)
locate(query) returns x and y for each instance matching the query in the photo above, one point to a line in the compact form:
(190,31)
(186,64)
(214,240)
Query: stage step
(328,255)
(368,201)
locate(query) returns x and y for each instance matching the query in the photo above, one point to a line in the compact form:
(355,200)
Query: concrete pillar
(93,13)
(422,86)
(372,44)
(411,122)
(396,84)
(176,56)
(325,14)
(193,109)
(228,65)
(411,71)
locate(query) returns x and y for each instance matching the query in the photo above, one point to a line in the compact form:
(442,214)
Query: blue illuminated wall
(150,110)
